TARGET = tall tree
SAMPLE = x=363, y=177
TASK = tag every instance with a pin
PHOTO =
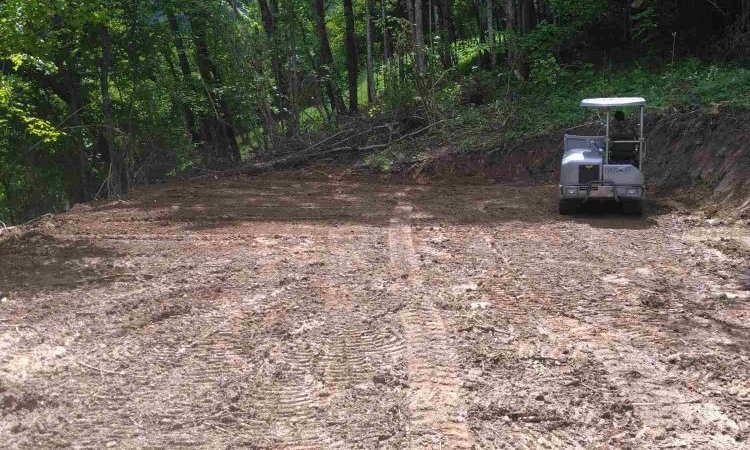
x=370, y=37
x=217, y=127
x=520, y=19
x=268, y=11
x=326, y=67
x=491, y=33
x=187, y=111
x=448, y=33
x=293, y=72
x=117, y=182
x=387, y=45
x=352, y=56
x=419, y=52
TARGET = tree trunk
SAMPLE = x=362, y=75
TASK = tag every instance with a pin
x=419, y=56
x=491, y=33
x=387, y=47
x=268, y=14
x=370, y=37
x=218, y=126
x=326, y=67
x=429, y=22
x=294, y=82
x=512, y=23
x=117, y=184
x=180, y=45
x=352, y=58
x=528, y=16
x=72, y=83
x=479, y=14
x=189, y=116
x=448, y=34
x=235, y=8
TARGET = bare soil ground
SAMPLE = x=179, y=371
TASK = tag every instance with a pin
x=296, y=311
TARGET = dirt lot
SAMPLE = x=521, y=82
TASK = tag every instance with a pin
x=326, y=312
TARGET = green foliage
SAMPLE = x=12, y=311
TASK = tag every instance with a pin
x=542, y=40
x=538, y=107
x=544, y=70
x=467, y=51
x=644, y=20
x=539, y=47
x=380, y=161
x=579, y=12
x=398, y=93
x=41, y=129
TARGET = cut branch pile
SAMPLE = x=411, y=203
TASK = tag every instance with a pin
x=350, y=140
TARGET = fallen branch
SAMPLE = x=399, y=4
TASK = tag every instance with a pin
x=349, y=138
x=5, y=228
x=487, y=328
x=36, y=219
x=300, y=157
x=111, y=372
x=327, y=139
x=687, y=402
x=376, y=146
x=99, y=369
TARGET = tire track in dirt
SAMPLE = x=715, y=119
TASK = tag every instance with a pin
x=286, y=412
x=206, y=389
x=436, y=387
x=621, y=341
x=358, y=339
x=507, y=366
x=181, y=379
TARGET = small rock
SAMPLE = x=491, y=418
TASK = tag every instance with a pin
x=467, y=287
x=672, y=359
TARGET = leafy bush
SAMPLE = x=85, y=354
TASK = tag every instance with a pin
x=540, y=105
x=579, y=12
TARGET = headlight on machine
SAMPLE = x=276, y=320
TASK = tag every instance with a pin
x=633, y=191
x=570, y=191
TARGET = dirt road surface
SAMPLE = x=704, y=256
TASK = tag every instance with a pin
x=307, y=312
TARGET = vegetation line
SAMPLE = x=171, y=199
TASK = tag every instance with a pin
x=99, y=96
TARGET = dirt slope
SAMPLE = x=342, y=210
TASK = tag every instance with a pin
x=701, y=157
x=319, y=312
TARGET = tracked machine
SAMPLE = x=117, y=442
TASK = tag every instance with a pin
x=605, y=168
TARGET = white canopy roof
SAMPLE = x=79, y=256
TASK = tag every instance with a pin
x=614, y=102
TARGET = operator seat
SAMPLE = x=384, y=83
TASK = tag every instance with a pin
x=623, y=152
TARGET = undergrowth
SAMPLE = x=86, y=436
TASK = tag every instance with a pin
x=498, y=108
x=531, y=108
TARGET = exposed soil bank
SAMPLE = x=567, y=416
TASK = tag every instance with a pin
x=700, y=157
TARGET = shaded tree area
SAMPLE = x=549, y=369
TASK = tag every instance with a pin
x=97, y=96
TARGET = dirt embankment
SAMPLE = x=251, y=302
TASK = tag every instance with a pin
x=703, y=154
x=700, y=157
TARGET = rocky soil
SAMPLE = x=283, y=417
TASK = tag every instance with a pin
x=318, y=311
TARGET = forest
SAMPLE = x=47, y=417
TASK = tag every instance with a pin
x=99, y=96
